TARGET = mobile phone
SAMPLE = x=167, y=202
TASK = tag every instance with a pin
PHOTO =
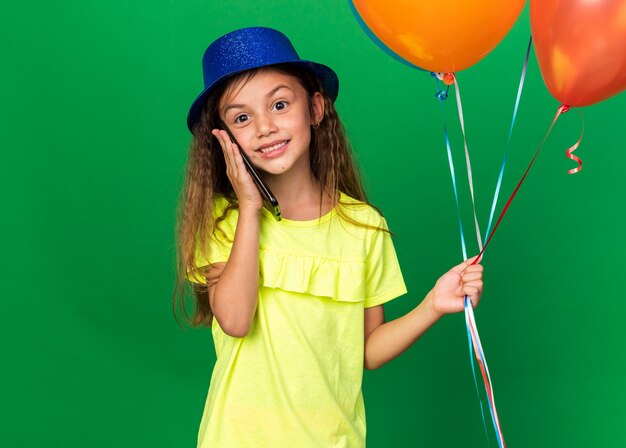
x=266, y=193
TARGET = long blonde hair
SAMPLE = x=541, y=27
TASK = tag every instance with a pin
x=332, y=164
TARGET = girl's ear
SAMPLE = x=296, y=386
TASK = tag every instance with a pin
x=317, y=107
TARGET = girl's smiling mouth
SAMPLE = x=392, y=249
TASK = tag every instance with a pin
x=273, y=149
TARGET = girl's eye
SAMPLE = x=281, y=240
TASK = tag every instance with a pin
x=241, y=118
x=280, y=105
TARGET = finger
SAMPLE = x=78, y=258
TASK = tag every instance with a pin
x=217, y=133
x=225, y=139
x=222, y=137
x=462, y=266
x=470, y=276
x=238, y=159
x=227, y=148
x=475, y=268
x=471, y=291
x=240, y=166
x=234, y=151
x=474, y=283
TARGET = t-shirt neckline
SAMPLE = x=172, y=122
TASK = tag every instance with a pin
x=305, y=223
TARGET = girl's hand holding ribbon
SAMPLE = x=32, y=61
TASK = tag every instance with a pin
x=247, y=192
x=452, y=287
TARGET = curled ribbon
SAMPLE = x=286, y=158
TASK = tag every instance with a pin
x=568, y=152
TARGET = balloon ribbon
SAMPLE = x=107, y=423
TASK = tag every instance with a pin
x=472, y=329
x=475, y=345
x=472, y=332
x=560, y=111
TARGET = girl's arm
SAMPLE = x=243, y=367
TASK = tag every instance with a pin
x=385, y=341
x=233, y=299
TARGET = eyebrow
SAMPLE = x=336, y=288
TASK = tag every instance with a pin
x=270, y=94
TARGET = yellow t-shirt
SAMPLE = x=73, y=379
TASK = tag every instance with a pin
x=295, y=379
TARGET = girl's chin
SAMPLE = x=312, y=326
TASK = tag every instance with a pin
x=271, y=171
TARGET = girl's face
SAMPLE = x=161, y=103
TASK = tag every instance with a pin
x=270, y=117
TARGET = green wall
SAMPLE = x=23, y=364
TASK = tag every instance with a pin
x=93, y=143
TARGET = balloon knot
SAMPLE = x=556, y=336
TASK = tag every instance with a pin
x=442, y=95
x=564, y=108
x=449, y=78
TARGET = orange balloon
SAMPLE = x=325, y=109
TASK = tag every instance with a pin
x=436, y=37
x=581, y=48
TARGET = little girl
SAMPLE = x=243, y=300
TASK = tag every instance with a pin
x=295, y=305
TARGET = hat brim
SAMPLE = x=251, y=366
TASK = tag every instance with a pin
x=327, y=77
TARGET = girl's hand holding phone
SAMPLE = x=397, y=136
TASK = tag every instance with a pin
x=247, y=192
x=450, y=290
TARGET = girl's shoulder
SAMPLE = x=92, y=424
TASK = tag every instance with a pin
x=221, y=203
x=224, y=215
x=360, y=211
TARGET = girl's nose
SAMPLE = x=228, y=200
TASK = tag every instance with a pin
x=265, y=125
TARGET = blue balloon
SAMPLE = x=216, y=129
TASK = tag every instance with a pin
x=377, y=41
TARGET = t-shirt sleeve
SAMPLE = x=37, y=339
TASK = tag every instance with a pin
x=219, y=243
x=383, y=277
